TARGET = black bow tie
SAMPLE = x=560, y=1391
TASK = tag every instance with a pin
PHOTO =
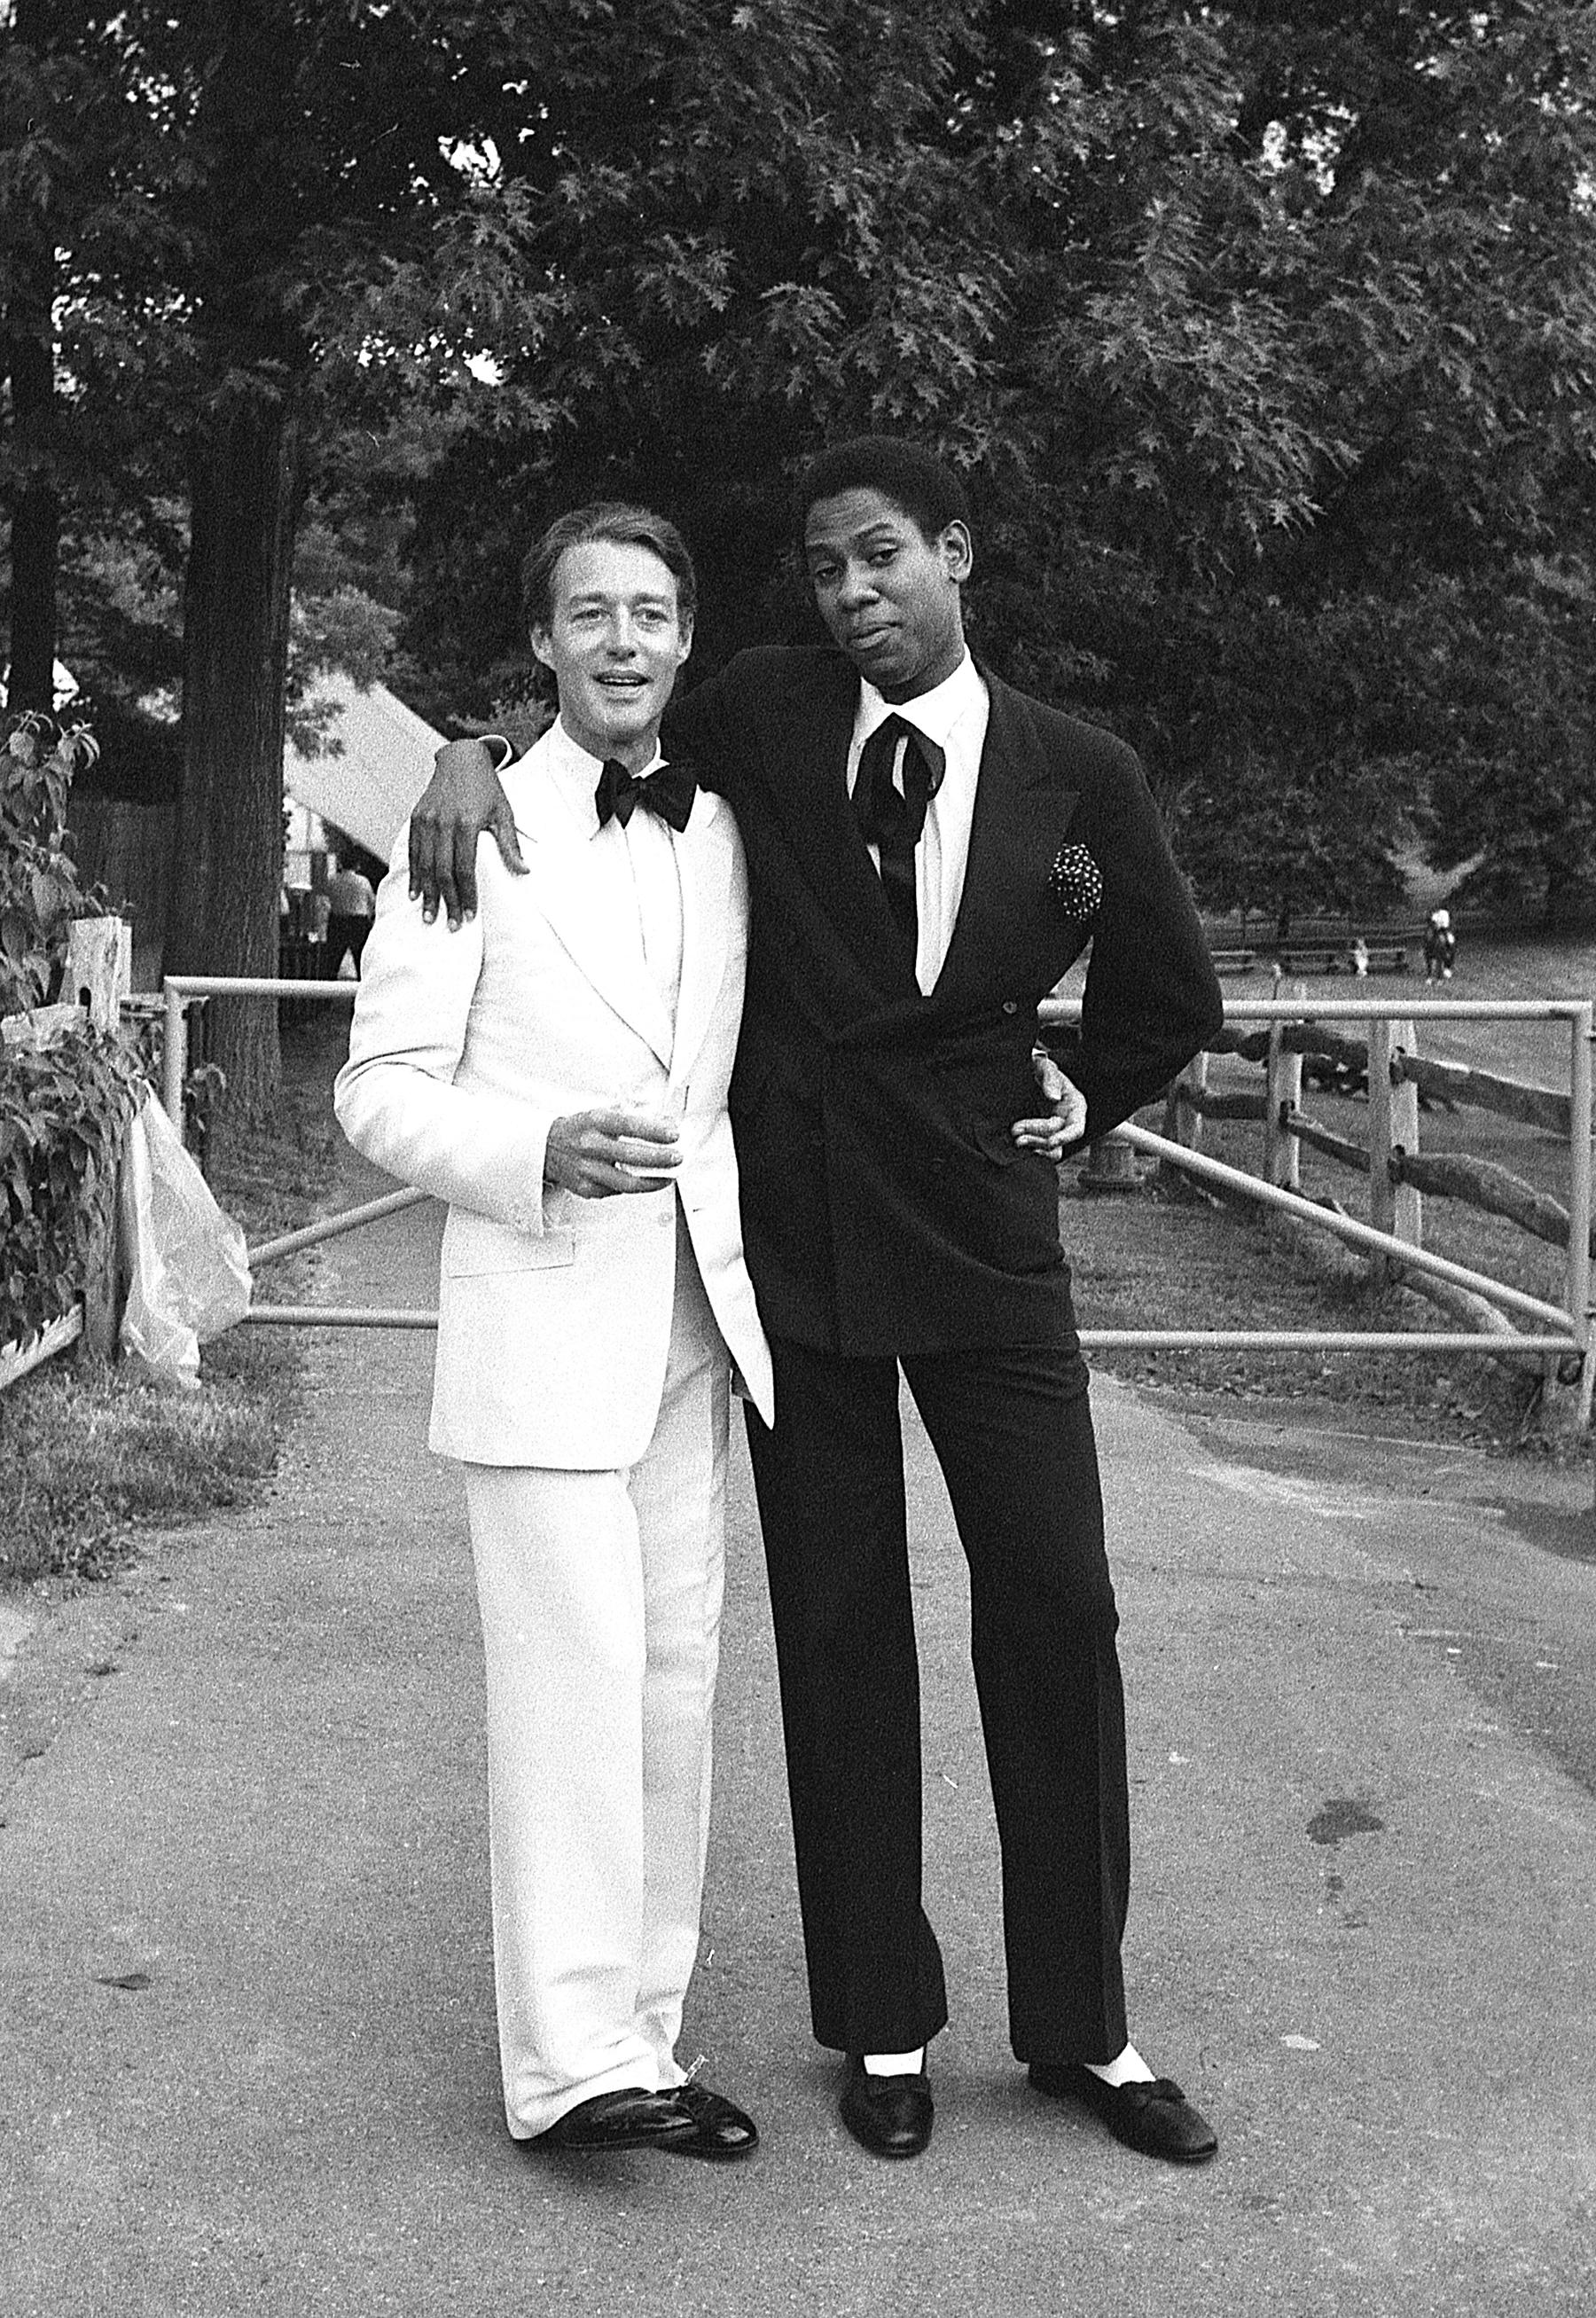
x=892, y=819
x=669, y=791
x=889, y=817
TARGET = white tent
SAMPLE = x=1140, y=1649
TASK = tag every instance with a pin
x=384, y=764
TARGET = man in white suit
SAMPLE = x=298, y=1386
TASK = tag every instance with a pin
x=559, y=1074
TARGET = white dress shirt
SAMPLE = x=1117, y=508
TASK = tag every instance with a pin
x=644, y=854
x=954, y=715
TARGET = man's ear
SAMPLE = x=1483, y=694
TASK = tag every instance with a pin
x=685, y=632
x=958, y=552
x=540, y=646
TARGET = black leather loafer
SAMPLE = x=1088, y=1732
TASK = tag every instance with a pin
x=626, y=2118
x=891, y=2116
x=719, y=2130
x=1155, y=2119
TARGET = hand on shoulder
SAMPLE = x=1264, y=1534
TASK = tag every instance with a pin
x=464, y=797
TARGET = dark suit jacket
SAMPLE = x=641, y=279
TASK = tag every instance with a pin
x=886, y=1208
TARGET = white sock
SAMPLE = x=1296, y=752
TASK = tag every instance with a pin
x=1128, y=2068
x=895, y=2064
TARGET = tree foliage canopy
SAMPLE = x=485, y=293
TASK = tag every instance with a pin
x=1265, y=332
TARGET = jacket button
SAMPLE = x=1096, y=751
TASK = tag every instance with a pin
x=1011, y=1006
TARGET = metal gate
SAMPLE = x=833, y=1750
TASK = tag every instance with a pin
x=1557, y=1330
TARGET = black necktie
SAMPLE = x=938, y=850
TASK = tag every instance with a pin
x=891, y=819
x=669, y=791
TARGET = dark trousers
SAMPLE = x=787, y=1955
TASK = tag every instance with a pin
x=1012, y=1431
x=345, y=935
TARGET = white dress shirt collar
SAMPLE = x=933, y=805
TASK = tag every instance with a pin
x=937, y=713
x=575, y=774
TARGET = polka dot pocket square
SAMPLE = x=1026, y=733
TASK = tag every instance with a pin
x=1075, y=881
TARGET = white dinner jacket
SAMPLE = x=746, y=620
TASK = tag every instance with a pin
x=554, y=1312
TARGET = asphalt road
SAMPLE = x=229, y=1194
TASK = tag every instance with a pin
x=245, y=2011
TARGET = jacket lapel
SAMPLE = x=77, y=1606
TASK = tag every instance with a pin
x=590, y=910
x=1023, y=811
x=809, y=793
x=703, y=864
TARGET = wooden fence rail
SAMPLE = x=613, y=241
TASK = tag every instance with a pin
x=18, y=1360
x=1237, y=1104
x=1496, y=1190
x=1477, y=1183
x=1320, y=1138
x=1454, y=1084
x=1398, y=1079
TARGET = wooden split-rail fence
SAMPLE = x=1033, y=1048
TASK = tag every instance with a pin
x=1399, y=1081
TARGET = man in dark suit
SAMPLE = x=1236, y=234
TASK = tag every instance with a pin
x=929, y=851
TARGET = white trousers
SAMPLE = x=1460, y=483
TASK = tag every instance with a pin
x=600, y=1596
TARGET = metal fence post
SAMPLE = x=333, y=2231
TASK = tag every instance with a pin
x=173, y=1057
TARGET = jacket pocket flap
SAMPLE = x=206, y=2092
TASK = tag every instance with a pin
x=476, y=1248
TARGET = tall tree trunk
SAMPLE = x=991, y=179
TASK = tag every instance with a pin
x=228, y=877
x=35, y=520
x=36, y=505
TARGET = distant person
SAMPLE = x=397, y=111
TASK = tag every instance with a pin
x=557, y=1072
x=930, y=851
x=352, y=904
x=1360, y=959
x=1440, y=947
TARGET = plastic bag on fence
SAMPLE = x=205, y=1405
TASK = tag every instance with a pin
x=190, y=1272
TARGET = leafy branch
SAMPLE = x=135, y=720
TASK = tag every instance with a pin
x=63, y=1108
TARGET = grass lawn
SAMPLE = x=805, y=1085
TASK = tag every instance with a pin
x=89, y=1452
x=1158, y=1259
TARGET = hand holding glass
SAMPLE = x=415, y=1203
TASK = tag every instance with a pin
x=655, y=1115
x=631, y=1143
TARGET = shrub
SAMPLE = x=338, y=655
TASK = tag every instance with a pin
x=62, y=1113
x=39, y=892
x=63, y=1109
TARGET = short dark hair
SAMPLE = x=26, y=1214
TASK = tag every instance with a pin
x=913, y=478
x=611, y=519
